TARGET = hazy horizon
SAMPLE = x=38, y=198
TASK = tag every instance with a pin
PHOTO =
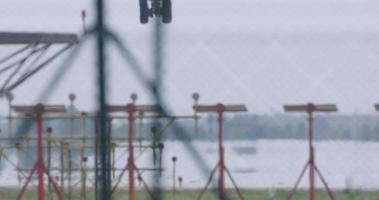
x=262, y=53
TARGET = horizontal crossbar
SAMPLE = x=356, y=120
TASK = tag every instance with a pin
x=29, y=38
x=311, y=108
x=220, y=108
x=39, y=109
x=134, y=108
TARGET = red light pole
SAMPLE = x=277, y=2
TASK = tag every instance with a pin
x=39, y=167
x=311, y=163
x=131, y=109
x=220, y=109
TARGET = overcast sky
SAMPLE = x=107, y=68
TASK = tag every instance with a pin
x=264, y=53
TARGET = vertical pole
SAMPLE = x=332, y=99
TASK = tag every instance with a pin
x=69, y=157
x=157, y=57
x=18, y=146
x=103, y=162
x=40, y=167
x=113, y=147
x=131, y=154
x=160, y=147
x=140, y=126
x=312, y=192
x=97, y=170
x=195, y=97
x=174, y=159
x=84, y=196
x=196, y=120
x=174, y=178
x=49, y=159
x=62, y=166
x=10, y=118
x=83, y=178
x=66, y=166
x=180, y=179
x=139, y=180
x=221, y=181
x=84, y=15
x=154, y=143
x=158, y=64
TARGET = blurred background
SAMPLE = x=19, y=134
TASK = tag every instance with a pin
x=263, y=54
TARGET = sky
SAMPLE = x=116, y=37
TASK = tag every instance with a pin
x=263, y=53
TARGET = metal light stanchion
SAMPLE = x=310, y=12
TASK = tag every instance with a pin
x=49, y=131
x=311, y=163
x=39, y=167
x=220, y=109
x=131, y=109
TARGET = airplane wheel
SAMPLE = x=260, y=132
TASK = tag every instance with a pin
x=166, y=11
x=144, y=11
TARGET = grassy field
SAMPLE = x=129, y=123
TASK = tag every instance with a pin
x=11, y=193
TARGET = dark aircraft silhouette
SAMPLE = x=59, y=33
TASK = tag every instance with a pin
x=155, y=8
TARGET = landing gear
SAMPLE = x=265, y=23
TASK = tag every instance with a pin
x=166, y=11
x=158, y=8
x=144, y=11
